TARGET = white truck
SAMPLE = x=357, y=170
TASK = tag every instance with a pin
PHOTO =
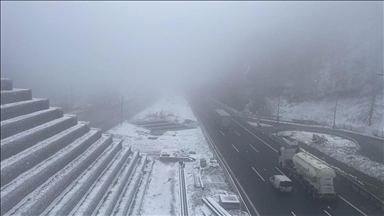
x=315, y=176
x=222, y=118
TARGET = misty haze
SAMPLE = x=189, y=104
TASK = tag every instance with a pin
x=192, y=108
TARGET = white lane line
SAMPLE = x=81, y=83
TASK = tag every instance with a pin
x=235, y=148
x=294, y=176
x=222, y=133
x=237, y=133
x=258, y=174
x=207, y=116
x=228, y=169
x=293, y=214
x=255, y=136
x=327, y=213
x=352, y=206
x=253, y=148
x=279, y=171
x=213, y=122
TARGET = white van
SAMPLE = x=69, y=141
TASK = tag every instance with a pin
x=281, y=183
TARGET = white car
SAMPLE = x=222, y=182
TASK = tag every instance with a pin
x=281, y=183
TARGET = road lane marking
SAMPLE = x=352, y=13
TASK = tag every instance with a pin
x=222, y=133
x=228, y=169
x=253, y=148
x=298, y=179
x=352, y=206
x=207, y=116
x=279, y=171
x=293, y=214
x=213, y=122
x=327, y=213
x=235, y=148
x=237, y=133
x=255, y=136
x=258, y=174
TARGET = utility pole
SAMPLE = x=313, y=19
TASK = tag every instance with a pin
x=334, y=115
x=71, y=94
x=278, y=112
x=121, y=110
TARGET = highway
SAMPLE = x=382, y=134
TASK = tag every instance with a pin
x=252, y=157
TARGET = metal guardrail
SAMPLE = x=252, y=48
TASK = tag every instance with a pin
x=350, y=182
x=340, y=176
x=223, y=165
x=183, y=191
x=360, y=190
x=215, y=207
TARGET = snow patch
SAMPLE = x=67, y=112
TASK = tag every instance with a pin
x=342, y=150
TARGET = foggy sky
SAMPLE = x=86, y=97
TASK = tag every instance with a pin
x=125, y=46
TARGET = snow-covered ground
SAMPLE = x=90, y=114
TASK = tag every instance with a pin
x=342, y=150
x=351, y=113
x=162, y=194
x=173, y=108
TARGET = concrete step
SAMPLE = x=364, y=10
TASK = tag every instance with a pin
x=95, y=194
x=123, y=205
x=113, y=194
x=21, y=108
x=15, y=95
x=21, y=123
x=25, y=160
x=135, y=208
x=21, y=141
x=6, y=84
x=64, y=204
x=35, y=201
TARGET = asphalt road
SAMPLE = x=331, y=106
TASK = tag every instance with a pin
x=252, y=157
x=371, y=147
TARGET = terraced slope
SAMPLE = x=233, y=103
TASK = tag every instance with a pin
x=52, y=164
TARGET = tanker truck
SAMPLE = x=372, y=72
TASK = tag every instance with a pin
x=315, y=176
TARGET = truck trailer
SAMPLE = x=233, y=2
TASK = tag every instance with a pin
x=314, y=175
x=222, y=118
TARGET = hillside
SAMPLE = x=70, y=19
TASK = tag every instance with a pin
x=351, y=113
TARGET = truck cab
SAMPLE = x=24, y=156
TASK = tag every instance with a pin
x=281, y=183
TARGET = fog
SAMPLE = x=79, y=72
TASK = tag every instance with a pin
x=163, y=46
